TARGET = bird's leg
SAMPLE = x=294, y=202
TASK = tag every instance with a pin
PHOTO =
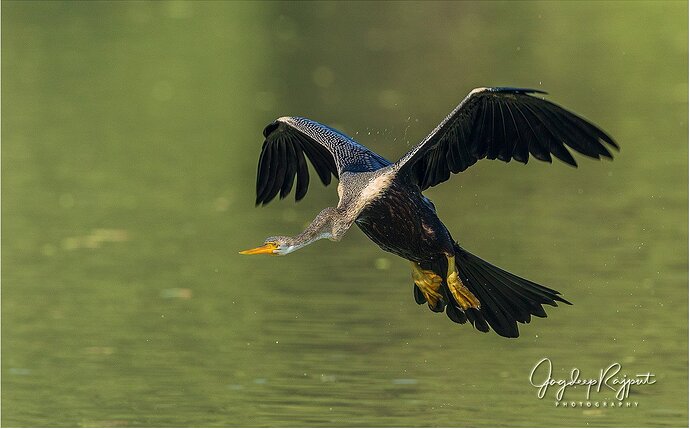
x=429, y=283
x=462, y=295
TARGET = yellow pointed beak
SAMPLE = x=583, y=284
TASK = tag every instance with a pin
x=266, y=249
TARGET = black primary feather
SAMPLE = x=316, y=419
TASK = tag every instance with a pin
x=506, y=124
x=289, y=141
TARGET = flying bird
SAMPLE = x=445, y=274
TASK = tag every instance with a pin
x=384, y=199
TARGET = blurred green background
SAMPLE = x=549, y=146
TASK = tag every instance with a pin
x=131, y=132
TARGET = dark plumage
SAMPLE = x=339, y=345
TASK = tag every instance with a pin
x=384, y=199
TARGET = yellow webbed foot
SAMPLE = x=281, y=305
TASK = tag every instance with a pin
x=429, y=283
x=462, y=295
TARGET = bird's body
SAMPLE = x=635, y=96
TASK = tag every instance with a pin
x=385, y=199
x=404, y=222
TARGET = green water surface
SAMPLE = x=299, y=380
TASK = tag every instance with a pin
x=130, y=135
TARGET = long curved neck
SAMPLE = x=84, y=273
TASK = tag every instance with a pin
x=328, y=224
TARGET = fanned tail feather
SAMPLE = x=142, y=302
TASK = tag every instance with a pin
x=505, y=298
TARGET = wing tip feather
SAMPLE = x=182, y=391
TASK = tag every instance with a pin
x=270, y=128
x=513, y=90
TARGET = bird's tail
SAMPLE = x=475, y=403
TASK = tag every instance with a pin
x=505, y=298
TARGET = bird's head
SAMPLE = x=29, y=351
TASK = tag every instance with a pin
x=275, y=246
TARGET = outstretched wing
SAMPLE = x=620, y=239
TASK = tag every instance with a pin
x=289, y=139
x=503, y=123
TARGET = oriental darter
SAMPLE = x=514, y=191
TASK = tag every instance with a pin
x=385, y=198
